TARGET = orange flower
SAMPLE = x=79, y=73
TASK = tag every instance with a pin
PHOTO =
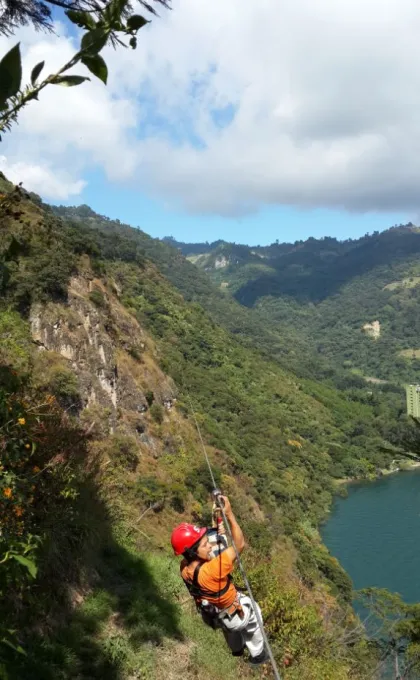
x=21, y=421
x=36, y=469
x=18, y=511
x=7, y=492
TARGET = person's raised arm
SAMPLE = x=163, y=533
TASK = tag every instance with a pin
x=236, y=530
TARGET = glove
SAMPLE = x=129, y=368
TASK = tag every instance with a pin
x=217, y=520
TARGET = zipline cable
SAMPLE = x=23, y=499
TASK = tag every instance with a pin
x=238, y=557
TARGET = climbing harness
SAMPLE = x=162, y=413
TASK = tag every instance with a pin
x=201, y=593
x=217, y=496
x=210, y=614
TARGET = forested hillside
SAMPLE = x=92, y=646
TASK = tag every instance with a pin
x=107, y=337
x=330, y=292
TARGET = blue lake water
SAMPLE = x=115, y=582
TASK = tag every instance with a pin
x=375, y=534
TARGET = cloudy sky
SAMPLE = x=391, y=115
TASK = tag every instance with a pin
x=236, y=119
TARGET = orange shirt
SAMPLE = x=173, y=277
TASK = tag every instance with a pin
x=213, y=577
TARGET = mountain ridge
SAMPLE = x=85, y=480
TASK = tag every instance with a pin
x=330, y=291
x=108, y=311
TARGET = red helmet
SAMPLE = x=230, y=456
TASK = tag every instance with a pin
x=185, y=536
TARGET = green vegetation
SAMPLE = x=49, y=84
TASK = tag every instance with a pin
x=104, y=23
x=156, y=411
x=397, y=638
x=106, y=600
x=97, y=297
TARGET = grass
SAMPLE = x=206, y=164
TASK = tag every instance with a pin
x=138, y=622
x=410, y=353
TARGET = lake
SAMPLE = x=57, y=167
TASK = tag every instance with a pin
x=375, y=534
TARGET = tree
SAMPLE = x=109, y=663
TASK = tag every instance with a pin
x=15, y=13
x=397, y=639
x=105, y=21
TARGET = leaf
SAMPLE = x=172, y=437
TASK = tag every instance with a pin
x=69, y=81
x=10, y=73
x=94, y=41
x=82, y=19
x=135, y=22
x=31, y=566
x=114, y=10
x=17, y=648
x=96, y=65
x=36, y=71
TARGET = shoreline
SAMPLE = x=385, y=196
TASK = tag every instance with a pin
x=383, y=472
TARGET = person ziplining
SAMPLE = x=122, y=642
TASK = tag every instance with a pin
x=206, y=570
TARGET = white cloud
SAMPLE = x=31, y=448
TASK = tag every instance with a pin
x=42, y=179
x=326, y=97
x=69, y=130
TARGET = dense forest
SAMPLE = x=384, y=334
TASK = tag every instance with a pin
x=329, y=292
x=107, y=338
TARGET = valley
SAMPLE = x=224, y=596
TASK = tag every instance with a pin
x=110, y=335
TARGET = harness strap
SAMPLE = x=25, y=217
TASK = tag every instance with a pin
x=198, y=592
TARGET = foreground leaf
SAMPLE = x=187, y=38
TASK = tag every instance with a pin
x=16, y=648
x=94, y=41
x=82, y=19
x=69, y=81
x=96, y=65
x=24, y=561
x=36, y=71
x=115, y=9
x=135, y=22
x=10, y=73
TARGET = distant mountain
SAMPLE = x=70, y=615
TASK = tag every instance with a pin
x=116, y=333
x=330, y=292
x=192, y=248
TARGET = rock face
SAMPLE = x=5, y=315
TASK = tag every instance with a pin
x=105, y=347
x=221, y=262
x=373, y=329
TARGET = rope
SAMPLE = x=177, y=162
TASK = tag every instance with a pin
x=202, y=444
x=238, y=557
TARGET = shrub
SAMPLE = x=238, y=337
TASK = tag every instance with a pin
x=96, y=418
x=42, y=458
x=15, y=341
x=52, y=373
x=64, y=383
x=259, y=536
x=198, y=481
x=156, y=411
x=150, y=490
x=150, y=397
x=98, y=298
x=334, y=572
x=123, y=450
x=178, y=493
x=135, y=352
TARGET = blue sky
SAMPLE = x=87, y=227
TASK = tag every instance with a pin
x=275, y=222
x=265, y=225
x=200, y=137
